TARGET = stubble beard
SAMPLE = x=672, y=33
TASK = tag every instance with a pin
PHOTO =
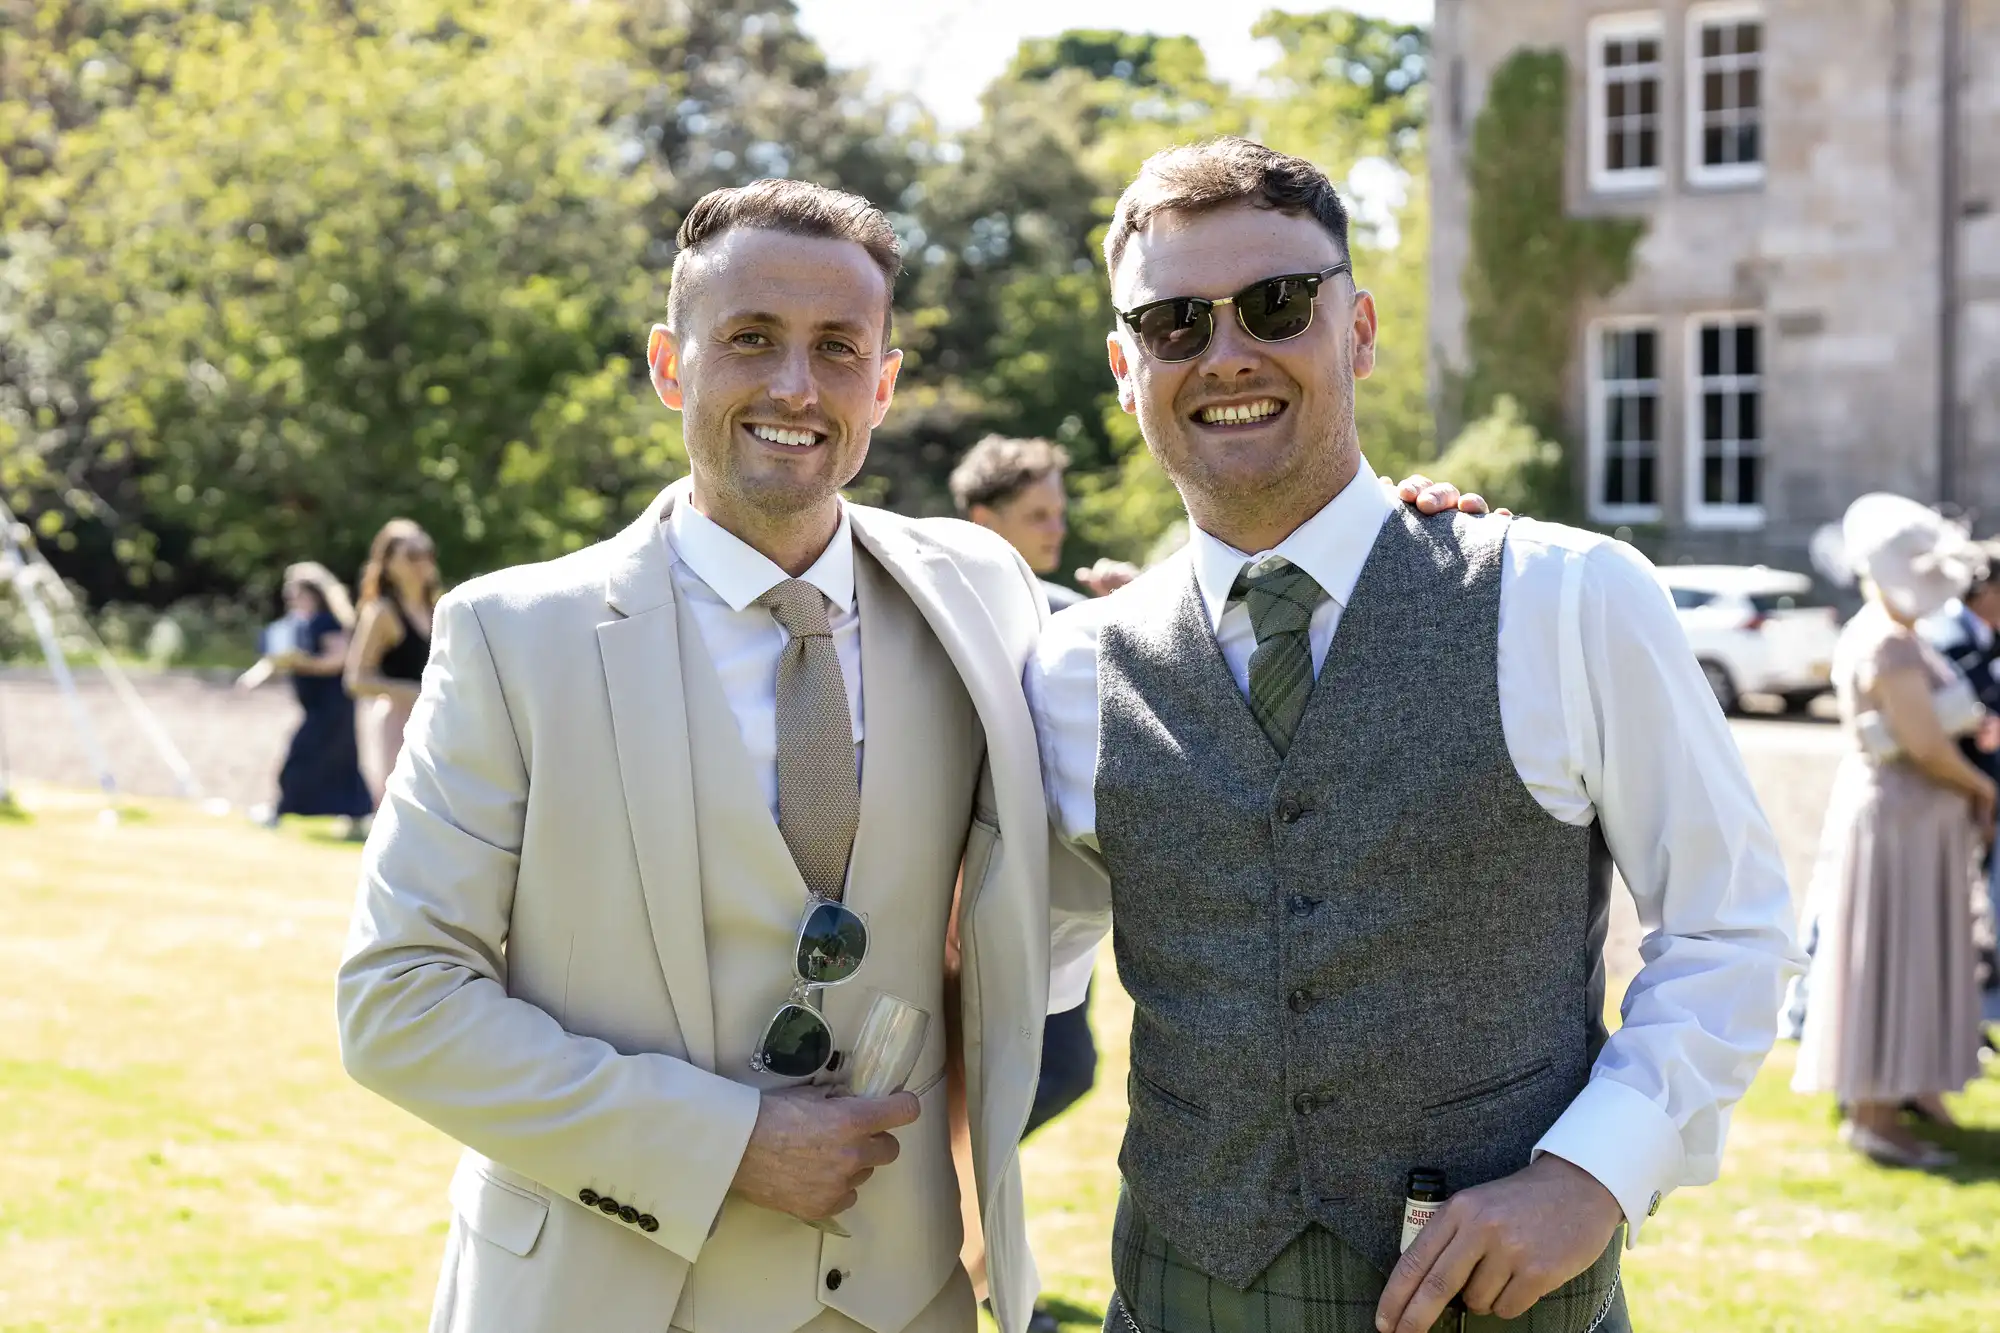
x=1319, y=462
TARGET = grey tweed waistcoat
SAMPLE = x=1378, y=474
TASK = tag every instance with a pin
x=1376, y=953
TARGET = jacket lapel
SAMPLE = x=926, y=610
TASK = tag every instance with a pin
x=642, y=674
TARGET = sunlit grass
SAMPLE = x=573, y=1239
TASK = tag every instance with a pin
x=180, y=1150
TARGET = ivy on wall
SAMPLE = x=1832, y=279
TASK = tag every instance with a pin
x=1531, y=265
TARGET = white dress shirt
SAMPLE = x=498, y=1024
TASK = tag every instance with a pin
x=1607, y=717
x=720, y=577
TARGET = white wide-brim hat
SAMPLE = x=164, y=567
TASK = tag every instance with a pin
x=1917, y=557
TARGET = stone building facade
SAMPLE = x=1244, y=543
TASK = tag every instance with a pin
x=1783, y=342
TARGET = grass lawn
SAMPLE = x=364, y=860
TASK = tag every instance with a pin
x=179, y=1148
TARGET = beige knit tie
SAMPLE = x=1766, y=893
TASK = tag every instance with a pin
x=819, y=796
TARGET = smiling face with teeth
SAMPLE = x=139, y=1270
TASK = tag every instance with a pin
x=780, y=371
x=1257, y=436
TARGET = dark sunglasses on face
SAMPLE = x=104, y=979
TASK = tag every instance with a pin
x=832, y=943
x=1180, y=328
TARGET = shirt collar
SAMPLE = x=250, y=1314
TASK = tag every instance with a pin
x=739, y=573
x=1331, y=546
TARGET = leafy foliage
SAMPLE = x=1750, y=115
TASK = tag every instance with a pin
x=1532, y=265
x=1502, y=457
x=271, y=272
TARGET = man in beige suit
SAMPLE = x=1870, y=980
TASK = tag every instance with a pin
x=641, y=783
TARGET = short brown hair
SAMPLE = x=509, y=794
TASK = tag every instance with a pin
x=997, y=469
x=797, y=208
x=1194, y=178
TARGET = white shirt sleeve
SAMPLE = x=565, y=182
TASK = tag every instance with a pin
x=1061, y=684
x=1662, y=770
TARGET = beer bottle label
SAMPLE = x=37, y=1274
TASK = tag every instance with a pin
x=1417, y=1214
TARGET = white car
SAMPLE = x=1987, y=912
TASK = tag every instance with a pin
x=1755, y=631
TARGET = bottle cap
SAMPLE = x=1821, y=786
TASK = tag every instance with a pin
x=1427, y=1183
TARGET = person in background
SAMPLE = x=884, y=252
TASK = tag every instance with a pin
x=1967, y=632
x=1895, y=1013
x=1015, y=488
x=321, y=774
x=385, y=663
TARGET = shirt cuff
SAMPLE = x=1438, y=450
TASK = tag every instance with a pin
x=1625, y=1141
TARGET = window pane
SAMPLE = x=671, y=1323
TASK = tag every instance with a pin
x=1648, y=425
x=1748, y=477
x=1711, y=41
x=1648, y=491
x=1644, y=365
x=1614, y=152
x=1711, y=350
x=1711, y=479
x=1713, y=148
x=1614, y=54
x=1614, y=479
x=1614, y=99
x=1747, y=147
x=1746, y=349
x=1648, y=50
x=1711, y=418
x=1746, y=88
x=1713, y=95
x=1649, y=148
x=1649, y=97
x=1747, y=425
x=1749, y=36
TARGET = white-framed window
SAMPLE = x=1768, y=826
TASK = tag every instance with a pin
x=1624, y=363
x=1627, y=89
x=1725, y=93
x=1725, y=420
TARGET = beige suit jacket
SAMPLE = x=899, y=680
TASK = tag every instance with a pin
x=527, y=969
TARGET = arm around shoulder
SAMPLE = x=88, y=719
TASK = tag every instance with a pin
x=425, y=1017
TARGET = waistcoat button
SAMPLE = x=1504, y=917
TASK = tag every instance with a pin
x=833, y=1280
x=1289, y=811
x=1302, y=905
x=1304, y=1103
x=1300, y=1001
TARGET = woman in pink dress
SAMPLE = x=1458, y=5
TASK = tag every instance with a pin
x=392, y=641
x=1895, y=1013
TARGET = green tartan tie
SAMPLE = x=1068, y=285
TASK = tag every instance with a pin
x=1281, y=598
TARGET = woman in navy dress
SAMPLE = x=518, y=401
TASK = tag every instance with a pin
x=321, y=773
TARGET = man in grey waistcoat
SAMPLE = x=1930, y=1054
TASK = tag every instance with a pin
x=1358, y=778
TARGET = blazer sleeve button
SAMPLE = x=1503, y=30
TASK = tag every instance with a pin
x=629, y=1215
x=589, y=1198
x=607, y=1205
x=648, y=1223
x=833, y=1280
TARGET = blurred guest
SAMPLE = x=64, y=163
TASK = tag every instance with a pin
x=320, y=775
x=385, y=664
x=1015, y=488
x=1967, y=632
x=1895, y=1012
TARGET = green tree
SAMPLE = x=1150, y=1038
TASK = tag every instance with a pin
x=1531, y=265
x=1502, y=457
x=333, y=268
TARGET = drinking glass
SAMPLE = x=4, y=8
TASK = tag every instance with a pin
x=892, y=1037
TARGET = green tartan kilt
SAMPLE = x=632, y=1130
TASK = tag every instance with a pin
x=1317, y=1285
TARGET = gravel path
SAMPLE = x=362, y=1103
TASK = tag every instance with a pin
x=235, y=741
